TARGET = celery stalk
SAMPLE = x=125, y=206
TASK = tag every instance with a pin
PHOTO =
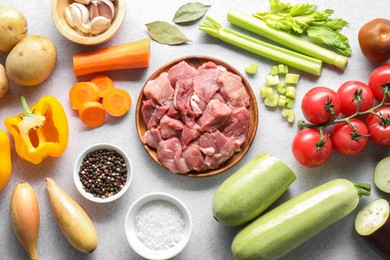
x=275, y=53
x=259, y=27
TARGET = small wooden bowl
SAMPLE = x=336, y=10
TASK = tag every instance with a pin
x=57, y=9
x=196, y=61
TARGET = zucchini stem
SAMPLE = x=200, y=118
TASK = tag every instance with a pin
x=363, y=189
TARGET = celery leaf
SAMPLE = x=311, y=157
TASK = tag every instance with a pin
x=325, y=35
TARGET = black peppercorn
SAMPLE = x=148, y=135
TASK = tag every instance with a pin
x=103, y=173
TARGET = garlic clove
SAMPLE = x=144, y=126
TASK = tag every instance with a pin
x=76, y=17
x=68, y=17
x=93, y=10
x=84, y=13
x=111, y=5
x=99, y=24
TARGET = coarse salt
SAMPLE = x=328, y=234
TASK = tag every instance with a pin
x=159, y=225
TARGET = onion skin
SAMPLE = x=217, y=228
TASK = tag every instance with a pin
x=25, y=218
x=73, y=221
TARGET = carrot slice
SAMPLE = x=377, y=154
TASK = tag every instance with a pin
x=92, y=114
x=103, y=82
x=82, y=92
x=117, y=102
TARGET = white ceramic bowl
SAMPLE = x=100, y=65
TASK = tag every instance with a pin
x=130, y=228
x=79, y=161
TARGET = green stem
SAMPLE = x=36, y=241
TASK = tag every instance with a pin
x=275, y=53
x=296, y=43
x=363, y=189
x=26, y=108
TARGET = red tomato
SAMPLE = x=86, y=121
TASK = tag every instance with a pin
x=350, y=92
x=379, y=128
x=349, y=141
x=308, y=150
x=317, y=104
x=378, y=77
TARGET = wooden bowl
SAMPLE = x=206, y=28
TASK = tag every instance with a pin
x=196, y=61
x=57, y=9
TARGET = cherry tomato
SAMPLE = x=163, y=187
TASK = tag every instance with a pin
x=379, y=127
x=349, y=140
x=317, y=104
x=308, y=150
x=374, y=40
x=378, y=77
x=350, y=92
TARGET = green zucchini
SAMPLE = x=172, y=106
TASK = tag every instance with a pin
x=285, y=227
x=252, y=189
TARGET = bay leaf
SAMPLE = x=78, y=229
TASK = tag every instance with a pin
x=190, y=12
x=166, y=33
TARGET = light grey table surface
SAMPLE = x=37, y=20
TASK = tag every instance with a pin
x=210, y=240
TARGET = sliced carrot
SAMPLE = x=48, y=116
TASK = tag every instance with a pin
x=103, y=82
x=82, y=92
x=92, y=114
x=125, y=56
x=117, y=102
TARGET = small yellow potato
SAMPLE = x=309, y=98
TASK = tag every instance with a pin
x=13, y=27
x=4, y=82
x=31, y=61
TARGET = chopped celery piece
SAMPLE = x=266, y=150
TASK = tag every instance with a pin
x=282, y=100
x=291, y=92
x=252, y=69
x=274, y=71
x=281, y=88
x=272, y=80
x=248, y=22
x=289, y=102
x=282, y=69
x=266, y=92
x=292, y=78
x=267, y=50
x=272, y=101
x=289, y=114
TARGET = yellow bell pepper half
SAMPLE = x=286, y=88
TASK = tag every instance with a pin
x=41, y=131
x=5, y=159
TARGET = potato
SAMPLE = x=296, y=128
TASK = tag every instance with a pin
x=4, y=82
x=31, y=61
x=13, y=27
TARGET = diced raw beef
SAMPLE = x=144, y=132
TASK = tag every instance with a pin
x=182, y=100
x=215, y=116
x=189, y=134
x=169, y=153
x=232, y=89
x=194, y=157
x=196, y=118
x=181, y=71
x=217, y=148
x=170, y=127
x=158, y=113
x=148, y=109
x=160, y=89
x=206, y=81
x=152, y=137
x=237, y=125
